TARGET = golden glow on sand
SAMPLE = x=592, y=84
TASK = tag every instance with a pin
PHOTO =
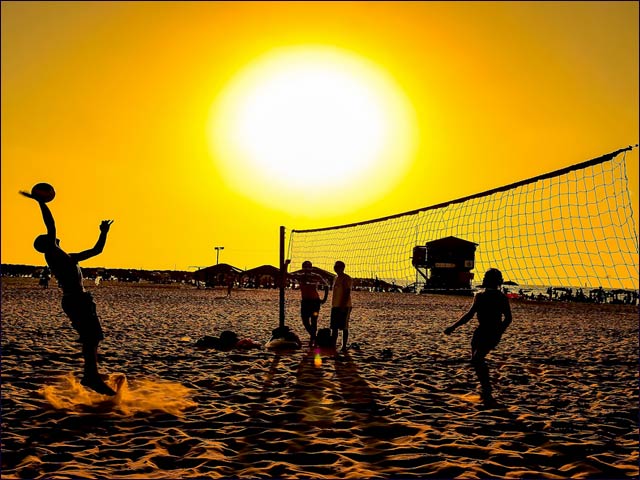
x=312, y=121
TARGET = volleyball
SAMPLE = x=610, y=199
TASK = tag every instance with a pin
x=43, y=192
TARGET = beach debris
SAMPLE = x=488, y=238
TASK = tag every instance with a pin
x=228, y=340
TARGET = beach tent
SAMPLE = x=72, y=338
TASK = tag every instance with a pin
x=216, y=274
x=264, y=275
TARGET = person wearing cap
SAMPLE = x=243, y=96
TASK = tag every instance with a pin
x=494, y=316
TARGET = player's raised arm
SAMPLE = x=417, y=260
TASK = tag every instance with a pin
x=47, y=216
x=49, y=222
x=105, y=225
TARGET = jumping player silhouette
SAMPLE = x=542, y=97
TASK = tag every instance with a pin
x=77, y=303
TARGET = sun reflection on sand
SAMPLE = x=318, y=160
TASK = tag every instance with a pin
x=188, y=413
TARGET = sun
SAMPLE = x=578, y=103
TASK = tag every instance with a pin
x=298, y=126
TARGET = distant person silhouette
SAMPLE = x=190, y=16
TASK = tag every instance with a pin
x=341, y=305
x=229, y=281
x=44, y=278
x=77, y=303
x=490, y=305
x=310, y=301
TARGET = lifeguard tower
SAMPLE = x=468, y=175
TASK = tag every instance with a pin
x=446, y=265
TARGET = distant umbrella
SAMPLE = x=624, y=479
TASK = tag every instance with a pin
x=509, y=282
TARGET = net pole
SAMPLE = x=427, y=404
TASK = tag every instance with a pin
x=283, y=276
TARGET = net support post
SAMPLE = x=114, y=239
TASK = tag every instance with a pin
x=283, y=277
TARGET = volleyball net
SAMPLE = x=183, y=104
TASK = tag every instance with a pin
x=573, y=227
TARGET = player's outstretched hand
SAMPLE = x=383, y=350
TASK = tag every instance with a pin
x=105, y=225
x=24, y=193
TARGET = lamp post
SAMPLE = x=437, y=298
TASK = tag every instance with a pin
x=217, y=249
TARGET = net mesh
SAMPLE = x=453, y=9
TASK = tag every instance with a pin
x=573, y=227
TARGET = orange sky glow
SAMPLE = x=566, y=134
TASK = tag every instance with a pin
x=134, y=111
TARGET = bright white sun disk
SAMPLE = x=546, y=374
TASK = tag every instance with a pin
x=309, y=122
x=301, y=126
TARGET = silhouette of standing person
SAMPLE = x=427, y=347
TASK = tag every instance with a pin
x=341, y=304
x=490, y=305
x=310, y=301
x=229, y=281
x=44, y=278
x=77, y=303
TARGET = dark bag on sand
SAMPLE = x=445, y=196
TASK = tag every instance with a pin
x=208, y=342
x=323, y=338
x=228, y=339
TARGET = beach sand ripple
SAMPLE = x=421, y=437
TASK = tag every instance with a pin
x=402, y=404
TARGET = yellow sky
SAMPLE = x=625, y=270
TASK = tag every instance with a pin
x=111, y=101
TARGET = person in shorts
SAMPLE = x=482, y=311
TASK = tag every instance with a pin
x=77, y=303
x=341, y=305
x=494, y=316
x=310, y=301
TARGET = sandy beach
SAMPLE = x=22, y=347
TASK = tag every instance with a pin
x=566, y=374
